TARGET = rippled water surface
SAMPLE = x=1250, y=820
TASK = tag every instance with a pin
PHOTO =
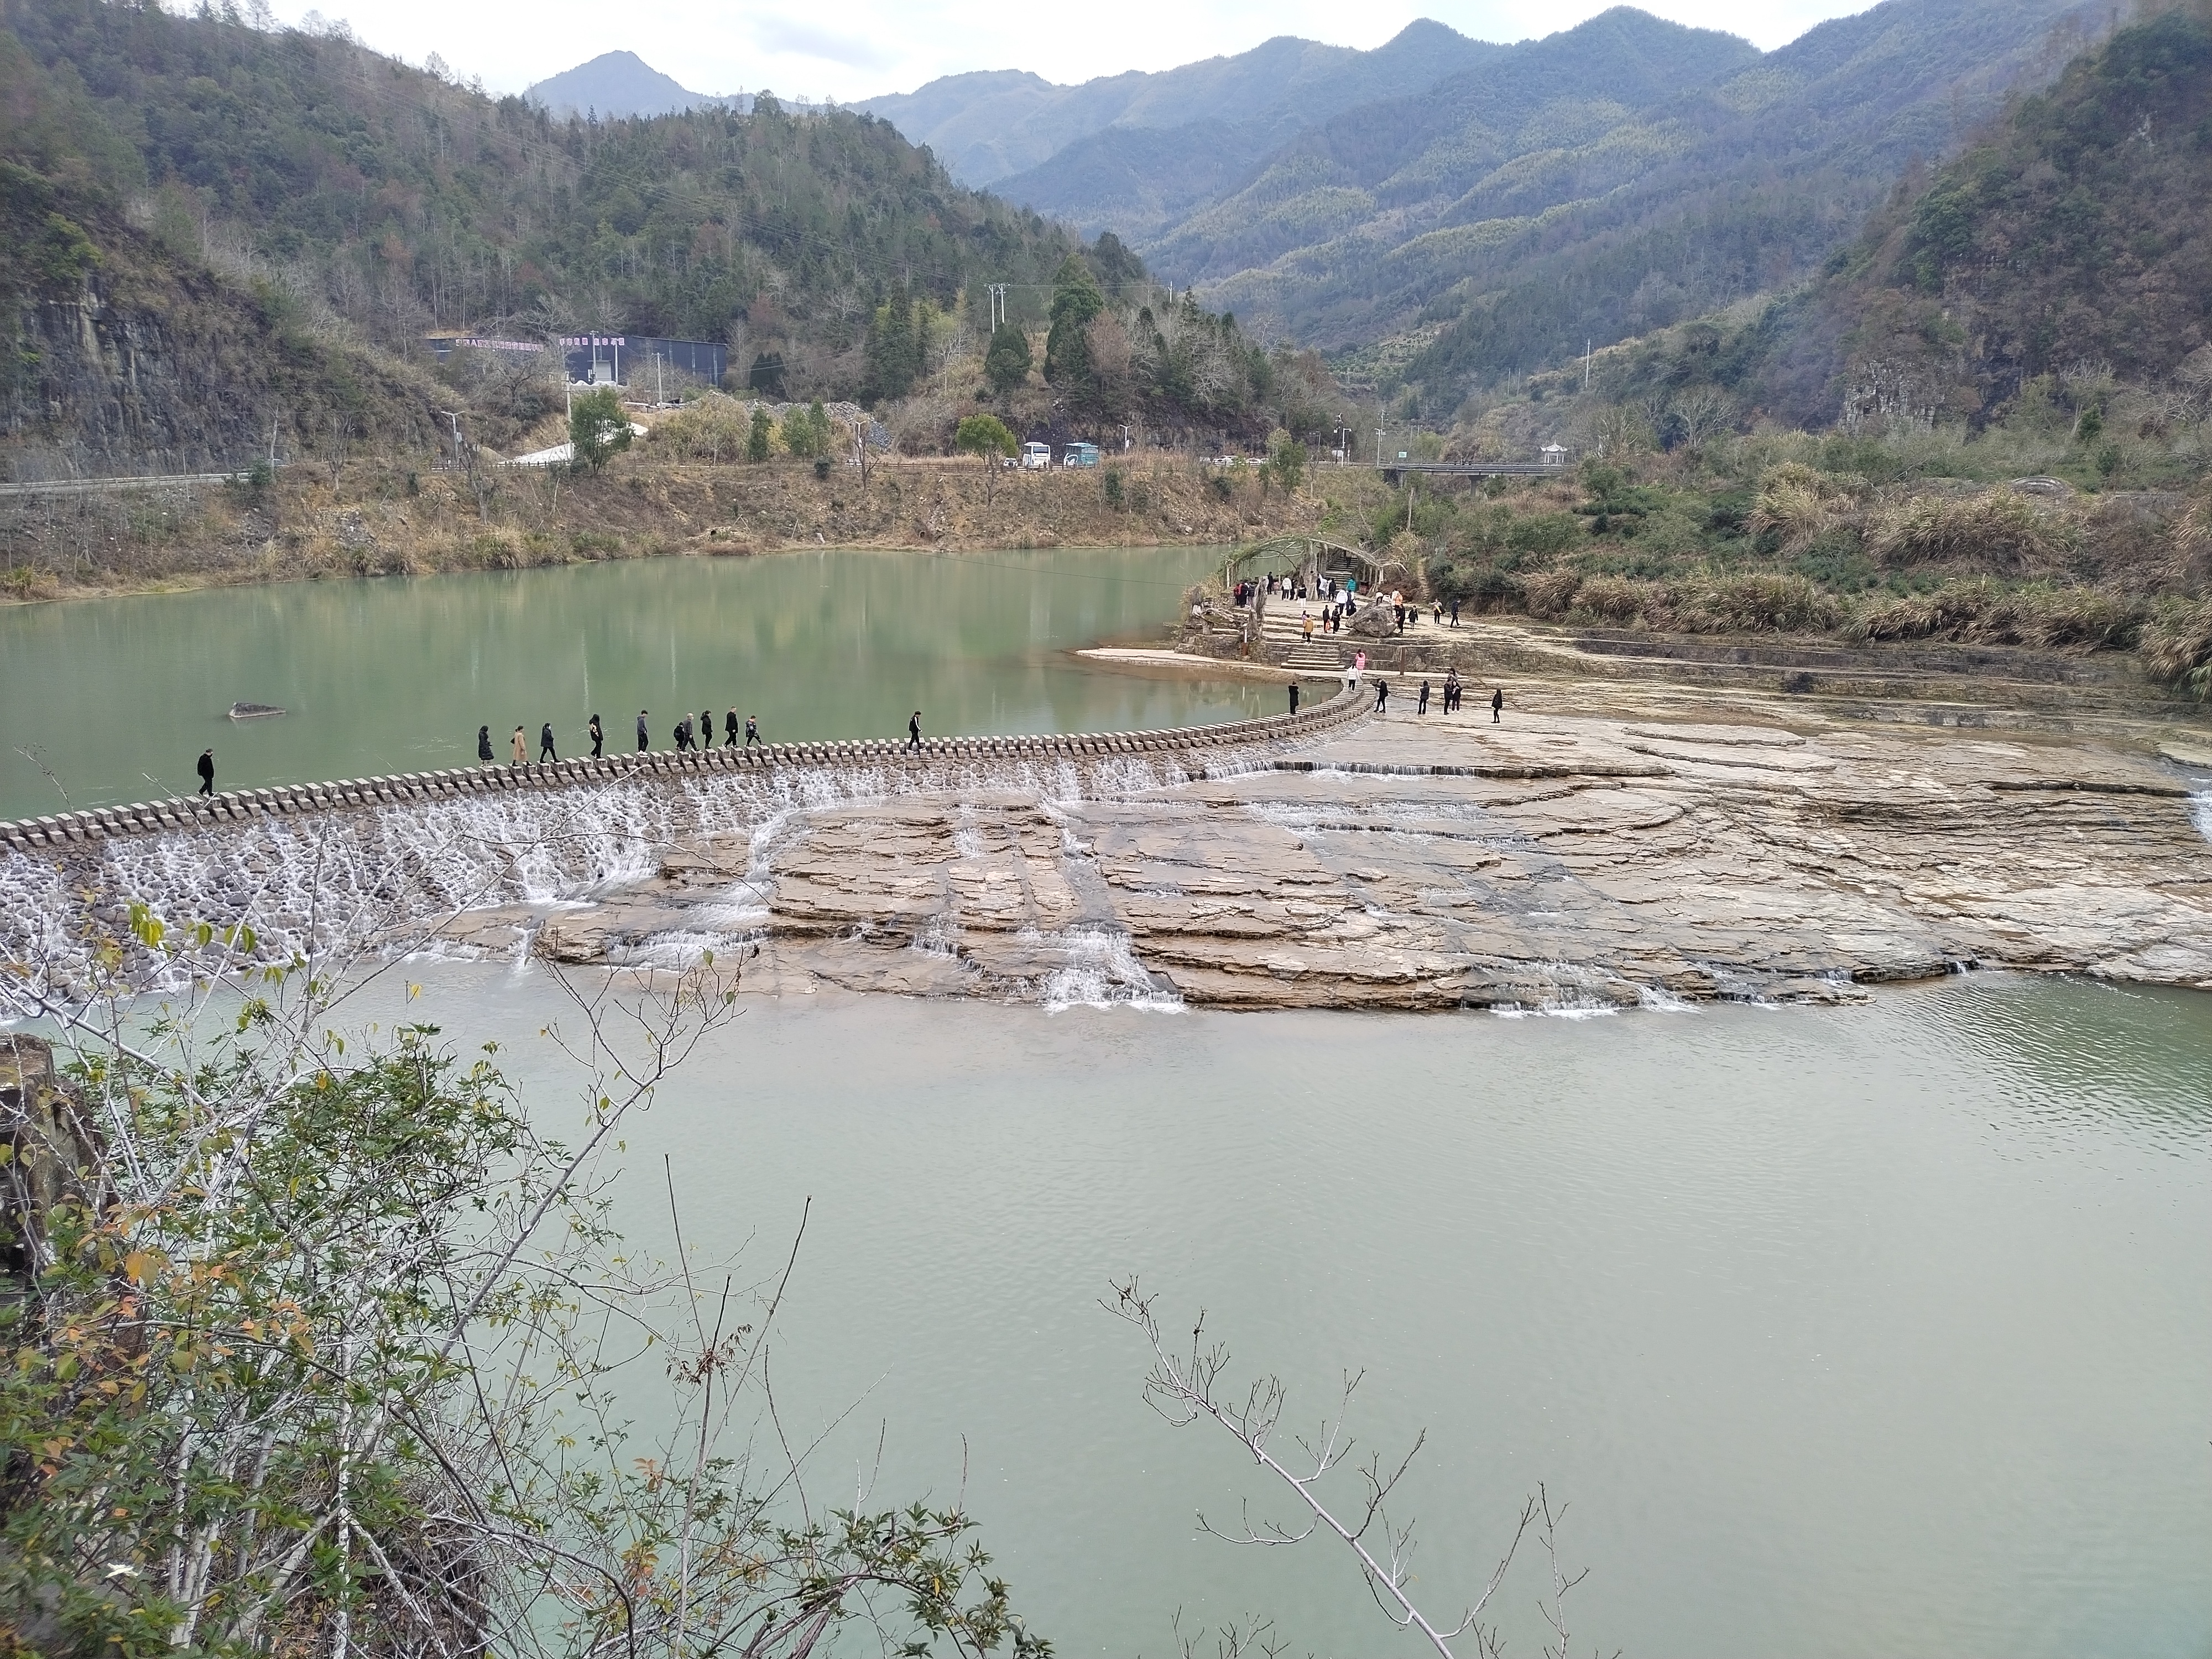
x=118, y=696
x=1876, y=1330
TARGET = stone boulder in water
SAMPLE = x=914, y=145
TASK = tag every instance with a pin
x=253, y=711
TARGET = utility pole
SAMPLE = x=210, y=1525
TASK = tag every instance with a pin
x=1378, y=449
x=1586, y=362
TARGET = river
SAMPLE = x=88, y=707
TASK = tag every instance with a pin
x=1882, y=1329
x=117, y=697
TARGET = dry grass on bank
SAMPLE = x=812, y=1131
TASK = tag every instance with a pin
x=379, y=519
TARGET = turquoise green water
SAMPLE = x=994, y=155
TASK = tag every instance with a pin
x=1877, y=1330
x=118, y=696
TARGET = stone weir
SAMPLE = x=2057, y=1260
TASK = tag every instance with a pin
x=240, y=806
x=1564, y=858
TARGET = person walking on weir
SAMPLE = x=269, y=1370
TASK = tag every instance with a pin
x=1382, y=694
x=1421, y=704
x=752, y=733
x=683, y=734
x=644, y=743
x=1451, y=691
x=483, y=746
x=545, y=750
x=1497, y=705
x=706, y=728
x=522, y=748
x=206, y=770
x=598, y=737
x=914, y=730
x=730, y=728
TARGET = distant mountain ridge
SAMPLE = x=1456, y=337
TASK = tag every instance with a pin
x=1470, y=211
x=987, y=125
x=616, y=84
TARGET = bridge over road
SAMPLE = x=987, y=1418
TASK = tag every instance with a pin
x=1392, y=471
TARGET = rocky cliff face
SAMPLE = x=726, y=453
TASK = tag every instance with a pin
x=123, y=358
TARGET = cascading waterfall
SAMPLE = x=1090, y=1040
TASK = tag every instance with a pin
x=326, y=886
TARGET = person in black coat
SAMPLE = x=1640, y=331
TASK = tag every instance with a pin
x=483, y=744
x=597, y=736
x=644, y=743
x=207, y=771
x=545, y=750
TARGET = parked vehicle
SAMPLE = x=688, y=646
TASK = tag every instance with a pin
x=1080, y=455
x=1036, y=457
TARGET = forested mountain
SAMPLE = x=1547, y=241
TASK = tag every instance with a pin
x=613, y=84
x=2078, y=232
x=381, y=200
x=988, y=125
x=1768, y=173
x=1588, y=187
x=2067, y=254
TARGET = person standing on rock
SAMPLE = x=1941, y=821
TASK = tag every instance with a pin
x=1497, y=705
x=706, y=728
x=206, y=770
x=1421, y=704
x=914, y=730
x=1382, y=694
x=483, y=744
x=522, y=748
x=1294, y=696
x=599, y=737
x=730, y=728
x=1306, y=622
x=643, y=741
x=1451, y=691
x=545, y=750
x=752, y=733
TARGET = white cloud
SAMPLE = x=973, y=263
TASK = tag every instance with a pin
x=894, y=45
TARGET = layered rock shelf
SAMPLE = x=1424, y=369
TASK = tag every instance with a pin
x=1551, y=861
x=1667, y=846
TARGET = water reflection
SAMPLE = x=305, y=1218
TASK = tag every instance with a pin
x=119, y=695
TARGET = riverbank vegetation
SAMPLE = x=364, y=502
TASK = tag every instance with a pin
x=318, y=1342
x=372, y=518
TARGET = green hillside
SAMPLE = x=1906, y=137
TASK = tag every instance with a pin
x=392, y=201
x=2079, y=232
x=1777, y=167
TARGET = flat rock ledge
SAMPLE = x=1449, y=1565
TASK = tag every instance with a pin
x=1554, y=862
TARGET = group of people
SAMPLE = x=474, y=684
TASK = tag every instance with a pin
x=689, y=738
x=1454, y=700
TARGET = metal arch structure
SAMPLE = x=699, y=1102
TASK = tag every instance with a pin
x=1299, y=547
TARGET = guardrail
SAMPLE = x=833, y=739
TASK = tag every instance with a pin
x=66, y=829
x=95, y=486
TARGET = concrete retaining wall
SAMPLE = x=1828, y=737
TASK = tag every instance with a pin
x=352, y=794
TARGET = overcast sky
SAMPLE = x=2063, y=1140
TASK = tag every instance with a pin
x=864, y=47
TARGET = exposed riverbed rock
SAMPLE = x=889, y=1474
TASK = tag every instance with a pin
x=1431, y=862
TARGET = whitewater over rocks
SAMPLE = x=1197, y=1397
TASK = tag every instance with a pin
x=1555, y=863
